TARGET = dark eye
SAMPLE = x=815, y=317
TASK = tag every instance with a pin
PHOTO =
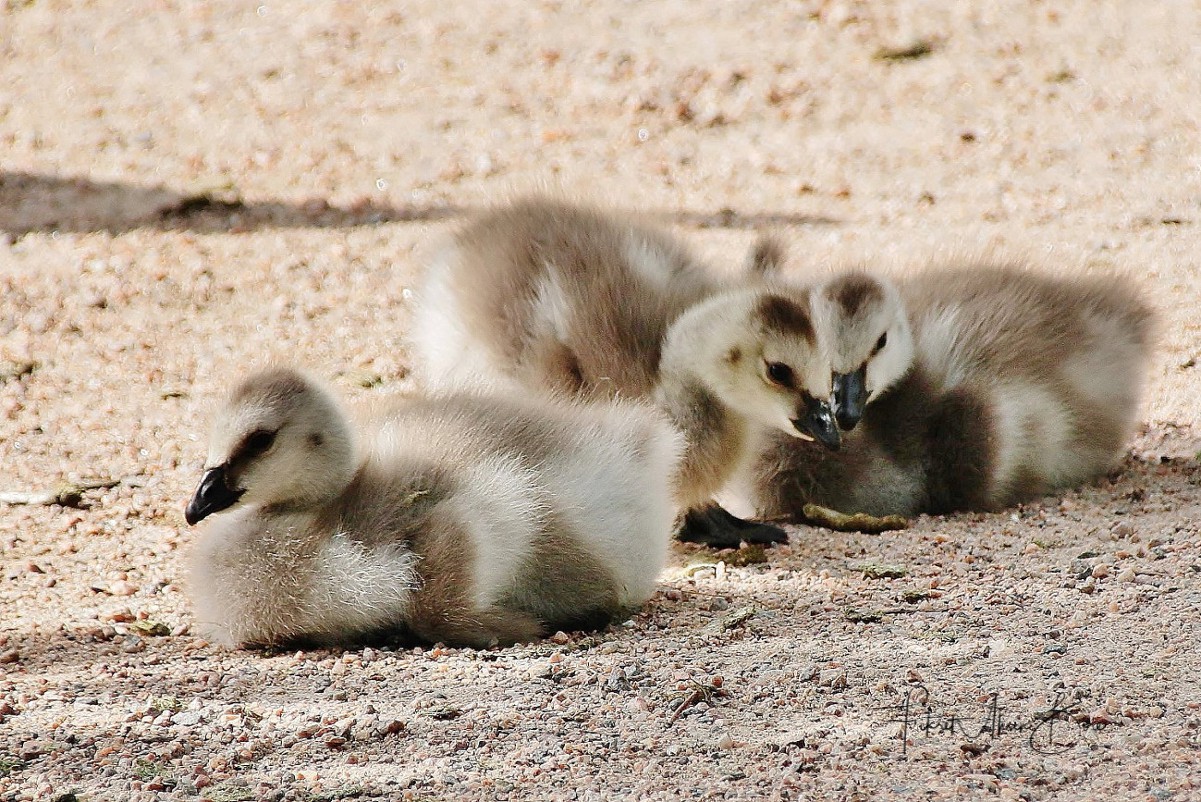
x=259, y=441
x=780, y=374
x=880, y=343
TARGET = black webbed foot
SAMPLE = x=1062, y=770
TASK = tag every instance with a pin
x=714, y=526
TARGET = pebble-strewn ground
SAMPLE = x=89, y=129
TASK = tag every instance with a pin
x=187, y=189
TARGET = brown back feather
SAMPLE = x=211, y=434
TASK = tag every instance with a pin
x=619, y=317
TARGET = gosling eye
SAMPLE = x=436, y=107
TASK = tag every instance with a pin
x=259, y=441
x=780, y=374
x=880, y=343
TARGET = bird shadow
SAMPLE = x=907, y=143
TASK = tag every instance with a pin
x=37, y=203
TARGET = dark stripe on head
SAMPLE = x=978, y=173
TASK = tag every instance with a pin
x=767, y=257
x=786, y=315
x=853, y=291
x=248, y=449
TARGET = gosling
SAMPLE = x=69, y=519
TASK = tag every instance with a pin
x=468, y=520
x=569, y=300
x=978, y=388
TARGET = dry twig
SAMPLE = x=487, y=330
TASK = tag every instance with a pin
x=858, y=522
x=701, y=693
x=68, y=494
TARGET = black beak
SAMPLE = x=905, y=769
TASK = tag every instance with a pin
x=850, y=396
x=818, y=421
x=213, y=495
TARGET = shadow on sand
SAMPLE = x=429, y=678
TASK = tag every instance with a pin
x=33, y=203
x=41, y=203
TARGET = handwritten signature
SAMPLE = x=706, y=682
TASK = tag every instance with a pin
x=918, y=714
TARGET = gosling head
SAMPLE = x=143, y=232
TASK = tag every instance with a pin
x=869, y=339
x=768, y=363
x=280, y=440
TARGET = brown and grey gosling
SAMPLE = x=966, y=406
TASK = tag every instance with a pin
x=463, y=519
x=570, y=300
x=978, y=387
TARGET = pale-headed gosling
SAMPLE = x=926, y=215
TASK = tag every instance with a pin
x=464, y=519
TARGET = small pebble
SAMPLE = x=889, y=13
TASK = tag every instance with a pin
x=1122, y=529
x=833, y=678
x=393, y=727
x=122, y=588
x=31, y=749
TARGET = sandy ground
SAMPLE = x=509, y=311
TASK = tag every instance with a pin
x=187, y=189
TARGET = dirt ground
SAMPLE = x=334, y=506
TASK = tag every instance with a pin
x=187, y=189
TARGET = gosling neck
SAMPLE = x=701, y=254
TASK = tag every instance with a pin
x=715, y=432
x=699, y=341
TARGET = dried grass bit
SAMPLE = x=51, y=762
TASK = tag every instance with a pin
x=701, y=692
x=873, y=570
x=67, y=494
x=750, y=554
x=918, y=48
x=737, y=618
x=857, y=616
x=818, y=515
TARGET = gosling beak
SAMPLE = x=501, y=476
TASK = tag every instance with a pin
x=818, y=422
x=213, y=495
x=850, y=396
